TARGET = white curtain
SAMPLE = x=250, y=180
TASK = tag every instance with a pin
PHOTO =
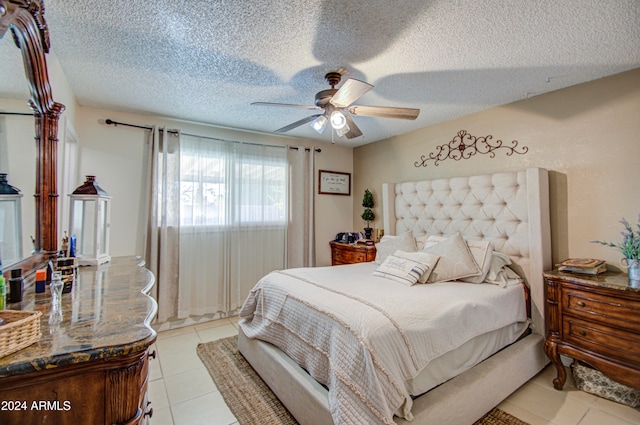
x=301, y=227
x=162, y=247
x=234, y=212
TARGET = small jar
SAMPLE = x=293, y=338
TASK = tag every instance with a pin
x=16, y=286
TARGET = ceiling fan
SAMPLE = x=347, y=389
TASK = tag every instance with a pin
x=337, y=105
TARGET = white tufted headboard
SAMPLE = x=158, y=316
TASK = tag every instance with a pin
x=509, y=209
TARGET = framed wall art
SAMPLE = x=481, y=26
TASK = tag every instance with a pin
x=334, y=183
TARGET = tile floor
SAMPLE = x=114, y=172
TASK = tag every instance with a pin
x=183, y=393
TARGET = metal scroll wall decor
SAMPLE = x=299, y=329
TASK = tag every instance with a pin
x=464, y=146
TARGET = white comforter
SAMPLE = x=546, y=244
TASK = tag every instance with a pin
x=364, y=336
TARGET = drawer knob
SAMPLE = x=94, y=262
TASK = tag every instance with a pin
x=580, y=304
x=581, y=333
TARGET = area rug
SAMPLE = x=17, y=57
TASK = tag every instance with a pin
x=251, y=400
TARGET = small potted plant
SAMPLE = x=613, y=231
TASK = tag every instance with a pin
x=367, y=215
x=629, y=247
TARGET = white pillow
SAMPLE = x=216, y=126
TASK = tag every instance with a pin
x=421, y=240
x=480, y=250
x=405, y=267
x=456, y=261
x=429, y=260
x=390, y=244
x=499, y=272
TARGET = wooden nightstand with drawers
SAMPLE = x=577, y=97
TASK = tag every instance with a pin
x=596, y=320
x=344, y=253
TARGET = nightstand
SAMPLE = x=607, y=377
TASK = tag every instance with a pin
x=594, y=319
x=344, y=253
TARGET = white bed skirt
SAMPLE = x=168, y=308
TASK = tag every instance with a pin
x=479, y=389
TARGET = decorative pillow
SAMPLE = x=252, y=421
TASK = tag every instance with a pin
x=429, y=241
x=405, y=267
x=430, y=260
x=480, y=250
x=421, y=240
x=456, y=261
x=482, y=253
x=499, y=272
x=390, y=244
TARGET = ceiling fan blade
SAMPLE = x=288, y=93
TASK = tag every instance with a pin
x=286, y=105
x=354, y=130
x=349, y=92
x=385, y=112
x=297, y=123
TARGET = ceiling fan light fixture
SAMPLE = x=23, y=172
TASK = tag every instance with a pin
x=343, y=130
x=338, y=121
x=337, y=107
x=319, y=124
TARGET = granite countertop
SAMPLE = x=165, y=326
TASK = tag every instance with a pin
x=609, y=279
x=107, y=314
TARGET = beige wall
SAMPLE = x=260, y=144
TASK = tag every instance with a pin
x=588, y=136
x=116, y=156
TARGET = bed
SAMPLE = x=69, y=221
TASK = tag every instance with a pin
x=509, y=210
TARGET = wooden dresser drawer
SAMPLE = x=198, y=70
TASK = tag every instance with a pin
x=601, y=338
x=349, y=256
x=596, y=307
x=342, y=253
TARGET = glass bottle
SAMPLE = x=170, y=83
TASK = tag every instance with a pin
x=56, y=286
x=3, y=293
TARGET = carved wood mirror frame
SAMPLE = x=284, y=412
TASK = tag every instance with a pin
x=25, y=19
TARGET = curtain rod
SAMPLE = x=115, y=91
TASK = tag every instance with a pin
x=115, y=124
x=17, y=113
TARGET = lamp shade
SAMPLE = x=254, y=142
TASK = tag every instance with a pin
x=343, y=130
x=319, y=124
x=338, y=120
x=90, y=223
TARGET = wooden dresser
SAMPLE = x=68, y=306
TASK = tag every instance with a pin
x=594, y=319
x=344, y=253
x=93, y=367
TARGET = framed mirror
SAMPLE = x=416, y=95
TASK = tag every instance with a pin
x=17, y=162
x=17, y=155
x=22, y=23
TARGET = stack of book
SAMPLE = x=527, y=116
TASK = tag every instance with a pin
x=589, y=266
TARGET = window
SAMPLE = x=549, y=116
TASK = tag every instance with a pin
x=227, y=183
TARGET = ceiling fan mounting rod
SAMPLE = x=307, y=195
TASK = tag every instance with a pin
x=333, y=78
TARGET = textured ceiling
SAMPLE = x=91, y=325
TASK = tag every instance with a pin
x=206, y=61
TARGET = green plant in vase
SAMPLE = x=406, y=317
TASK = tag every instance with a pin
x=629, y=247
x=368, y=215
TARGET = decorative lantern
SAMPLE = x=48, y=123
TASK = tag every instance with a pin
x=89, y=223
x=10, y=222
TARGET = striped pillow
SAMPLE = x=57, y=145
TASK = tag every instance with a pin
x=406, y=268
